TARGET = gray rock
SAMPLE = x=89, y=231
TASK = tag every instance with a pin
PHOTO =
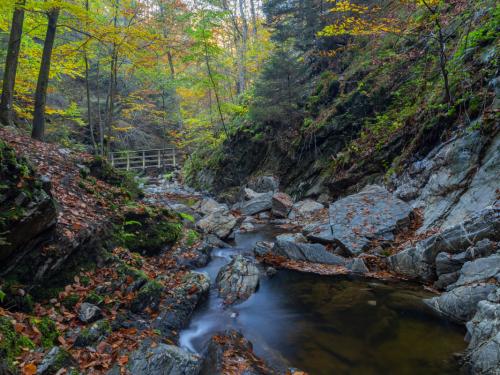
x=358, y=266
x=261, y=202
x=483, y=352
x=237, y=280
x=418, y=261
x=460, y=303
x=89, y=313
x=90, y=336
x=295, y=247
x=177, y=308
x=220, y=223
x=163, y=359
x=305, y=209
x=481, y=269
x=209, y=206
x=446, y=279
x=448, y=263
x=357, y=219
x=281, y=205
x=262, y=248
x=56, y=359
x=264, y=184
x=247, y=227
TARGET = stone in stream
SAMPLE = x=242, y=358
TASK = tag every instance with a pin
x=209, y=206
x=482, y=269
x=357, y=265
x=163, y=359
x=259, y=203
x=177, y=308
x=89, y=313
x=237, y=280
x=262, y=248
x=294, y=246
x=356, y=220
x=281, y=205
x=220, y=223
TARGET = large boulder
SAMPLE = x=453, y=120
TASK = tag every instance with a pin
x=260, y=202
x=418, y=261
x=482, y=269
x=177, y=308
x=460, y=303
x=237, y=280
x=281, y=205
x=209, y=206
x=358, y=219
x=296, y=247
x=163, y=359
x=220, y=223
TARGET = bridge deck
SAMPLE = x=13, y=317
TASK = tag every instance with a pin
x=144, y=159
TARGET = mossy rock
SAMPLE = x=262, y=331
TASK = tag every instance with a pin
x=150, y=231
x=70, y=301
x=11, y=343
x=56, y=359
x=149, y=296
x=91, y=335
x=48, y=329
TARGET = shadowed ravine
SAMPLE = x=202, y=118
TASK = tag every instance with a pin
x=326, y=325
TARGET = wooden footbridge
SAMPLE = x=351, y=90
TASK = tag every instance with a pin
x=164, y=158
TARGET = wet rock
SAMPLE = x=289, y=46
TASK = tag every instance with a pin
x=358, y=266
x=247, y=227
x=262, y=248
x=261, y=202
x=448, y=263
x=460, y=303
x=305, y=209
x=226, y=349
x=356, y=220
x=148, y=297
x=163, y=359
x=446, y=279
x=177, y=308
x=209, y=206
x=294, y=246
x=237, y=280
x=482, y=269
x=264, y=184
x=483, y=352
x=93, y=334
x=281, y=205
x=418, y=261
x=220, y=223
x=197, y=257
x=89, y=313
x=55, y=360
x=271, y=271
x=215, y=242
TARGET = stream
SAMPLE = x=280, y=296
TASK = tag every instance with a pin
x=327, y=324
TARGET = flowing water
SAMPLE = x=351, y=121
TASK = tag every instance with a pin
x=330, y=325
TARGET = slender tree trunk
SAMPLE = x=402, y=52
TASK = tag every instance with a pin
x=101, y=130
x=177, y=103
x=243, y=48
x=254, y=18
x=43, y=77
x=9, y=77
x=87, y=88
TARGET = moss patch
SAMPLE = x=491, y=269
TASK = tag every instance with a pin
x=11, y=342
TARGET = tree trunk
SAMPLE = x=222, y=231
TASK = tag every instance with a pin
x=101, y=130
x=43, y=77
x=9, y=77
x=254, y=18
x=87, y=88
x=242, y=49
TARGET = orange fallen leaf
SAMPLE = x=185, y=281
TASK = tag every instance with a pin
x=29, y=369
x=123, y=360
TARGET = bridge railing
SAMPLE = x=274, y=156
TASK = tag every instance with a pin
x=144, y=159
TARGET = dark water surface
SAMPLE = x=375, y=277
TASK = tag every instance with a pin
x=330, y=325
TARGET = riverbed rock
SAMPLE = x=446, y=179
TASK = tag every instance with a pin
x=483, y=352
x=196, y=257
x=295, y=247
x=229, y=348
x=89, y=313
x=163, y=359
x=220, y=223
x=281, y=205
x=91, y=335
x=262, y=248
x=177, y=308
x=148, y=296
x=356, y=220
x=482, y=269
x=357, y=266
x=460, y=303
x=449, y=263
x=305, y=209
x=209, y=206
x=418, y=261
x=237, y=280
x=55, y=360
x=260, y=202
